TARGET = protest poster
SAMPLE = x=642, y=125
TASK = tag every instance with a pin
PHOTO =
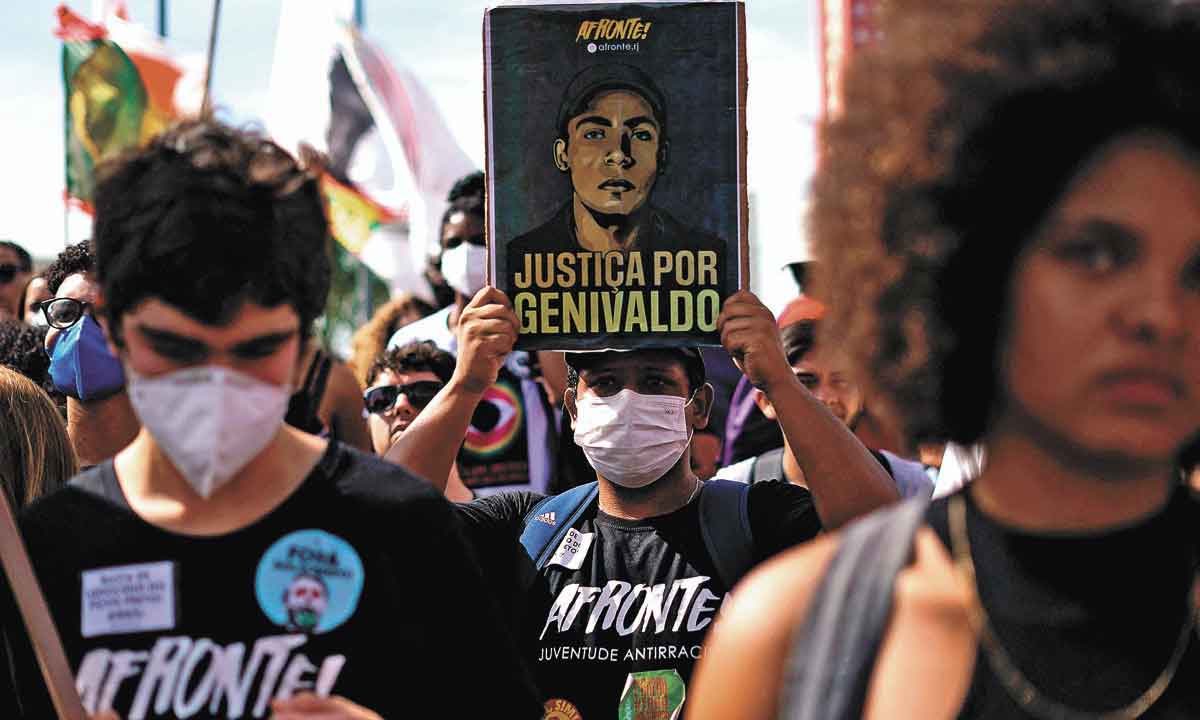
x=616, y=169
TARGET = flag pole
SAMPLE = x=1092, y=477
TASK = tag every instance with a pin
x=206, y=106
x=162, y=18
x=363, y=276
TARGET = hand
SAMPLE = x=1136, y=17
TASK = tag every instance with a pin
x=106, y=715
x=750, y=335
x=307, y=706
x=487, y=331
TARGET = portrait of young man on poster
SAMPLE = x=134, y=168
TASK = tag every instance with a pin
x=613, y=143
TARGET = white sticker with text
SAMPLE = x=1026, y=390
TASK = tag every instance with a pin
x=572, y=550
x=128, y=599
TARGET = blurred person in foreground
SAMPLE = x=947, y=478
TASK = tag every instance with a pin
x=1013, y=196
x=400, y=383
x=35, y=453
x=16, y=267
x=611, y=586
x=246, y=567
x=83, y=366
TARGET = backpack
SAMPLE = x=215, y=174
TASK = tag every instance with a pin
x=724, y=525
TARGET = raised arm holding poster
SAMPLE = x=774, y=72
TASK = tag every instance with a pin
x=616, y=169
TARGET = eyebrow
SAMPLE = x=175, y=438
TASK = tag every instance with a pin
x=595, y=120
x=641, y=120
x=160, y=335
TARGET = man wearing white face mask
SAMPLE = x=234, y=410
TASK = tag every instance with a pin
x=225, y=564
x=611, y=587
x=516, y=428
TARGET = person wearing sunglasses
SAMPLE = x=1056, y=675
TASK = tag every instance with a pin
x=15, y=268
x=100, y=419
x=400, y=383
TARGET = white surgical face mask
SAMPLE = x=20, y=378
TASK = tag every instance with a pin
x=630, y=438
x=463, y=268
x=209, y=420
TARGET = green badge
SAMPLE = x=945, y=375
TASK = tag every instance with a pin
x=652, y=695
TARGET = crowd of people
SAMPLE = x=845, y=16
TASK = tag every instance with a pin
x=228, y=520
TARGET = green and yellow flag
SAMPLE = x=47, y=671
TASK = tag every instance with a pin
x=352, y=214
x=116, y=97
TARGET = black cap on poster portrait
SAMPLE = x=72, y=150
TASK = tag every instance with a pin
x=609, y=76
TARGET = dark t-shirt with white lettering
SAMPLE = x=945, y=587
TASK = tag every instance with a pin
x=626, y=615
x=359, y=584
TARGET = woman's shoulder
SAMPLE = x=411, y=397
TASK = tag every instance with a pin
x=930, y=599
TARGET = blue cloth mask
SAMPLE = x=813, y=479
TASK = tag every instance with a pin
x=81, y=365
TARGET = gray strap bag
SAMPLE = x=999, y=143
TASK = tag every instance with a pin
x=833, y=652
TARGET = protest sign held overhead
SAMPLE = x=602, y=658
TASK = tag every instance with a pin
x=616, y=169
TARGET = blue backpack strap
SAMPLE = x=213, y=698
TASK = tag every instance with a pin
x=550, y=519
x=725, y=526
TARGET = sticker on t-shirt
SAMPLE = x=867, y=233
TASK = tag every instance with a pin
x=309, y=581
x=652, y=695
x=572, y=550
x=128, y=599
x=559, y=709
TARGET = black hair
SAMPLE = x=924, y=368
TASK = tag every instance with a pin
x=954, y=145
x=466, y=196
x=415, y=356
x=22, y=348
x=23, y=257
x=798, y=339
x=207, y=217
x=74, y=259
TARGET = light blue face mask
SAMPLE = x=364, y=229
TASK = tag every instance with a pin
x=81, y=365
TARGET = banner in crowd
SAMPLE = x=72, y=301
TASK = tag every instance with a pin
x=616, y=169
x=122, y=86
x=392, y=157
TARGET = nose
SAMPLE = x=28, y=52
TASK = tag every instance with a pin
x=621, y=153
x=1155, y=313
x=402, y=408
x=825, y=393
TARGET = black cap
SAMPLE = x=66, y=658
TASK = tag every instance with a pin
x=610, y=76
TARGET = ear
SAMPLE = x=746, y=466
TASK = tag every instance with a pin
x=701, y=407
x=560, y=155
x=760, y=399
x=664, y=156
x=569, y=405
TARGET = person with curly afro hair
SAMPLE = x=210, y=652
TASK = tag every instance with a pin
x=1010, y=211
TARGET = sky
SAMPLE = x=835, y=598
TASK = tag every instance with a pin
x=439, y=41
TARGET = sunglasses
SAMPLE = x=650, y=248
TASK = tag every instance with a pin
x=63, y=312
x=381, y=399
x=8, y=272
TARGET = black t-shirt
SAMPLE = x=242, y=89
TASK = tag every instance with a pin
x=1090, y=618
x=359, y=584
x=639, y=600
